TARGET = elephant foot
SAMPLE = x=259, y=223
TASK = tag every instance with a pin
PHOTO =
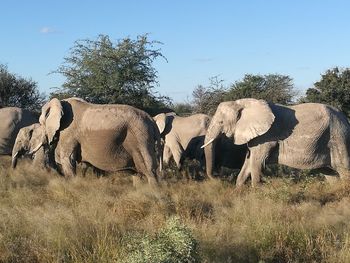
x=331, y=179
x=137, y=181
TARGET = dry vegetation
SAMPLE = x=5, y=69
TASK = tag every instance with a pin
x=45, y=218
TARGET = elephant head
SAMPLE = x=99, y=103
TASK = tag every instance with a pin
x=29, y=141
x=163, y=121
x=242, y=120
x=32, y=140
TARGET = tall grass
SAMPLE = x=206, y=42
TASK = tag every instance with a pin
x=46, y=218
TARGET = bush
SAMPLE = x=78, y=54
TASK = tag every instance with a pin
x=173, y=243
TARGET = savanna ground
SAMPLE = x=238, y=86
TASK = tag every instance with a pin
x=46, y=218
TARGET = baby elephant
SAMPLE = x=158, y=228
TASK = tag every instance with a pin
x=182, y=136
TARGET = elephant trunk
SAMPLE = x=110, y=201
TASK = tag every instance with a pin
x=210, y=159
x=15, y=154
x=213, y=133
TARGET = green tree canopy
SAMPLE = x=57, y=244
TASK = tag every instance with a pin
x=16, y=91
x=333, y=88
x=207, y=98
x=183, y=108
x=272, y=87
x=101, y=71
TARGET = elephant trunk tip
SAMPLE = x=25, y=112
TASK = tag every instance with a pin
x=14, y=160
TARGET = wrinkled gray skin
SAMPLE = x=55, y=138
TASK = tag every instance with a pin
x=109, y=137
x=12, y=119
x=222, y=152
x=182, y=136
x=304, y=136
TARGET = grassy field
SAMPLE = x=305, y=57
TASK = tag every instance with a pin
x=46, y=218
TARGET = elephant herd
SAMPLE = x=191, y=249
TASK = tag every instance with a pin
x=244, y=134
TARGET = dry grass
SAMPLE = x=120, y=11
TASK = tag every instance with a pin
x=46, y=218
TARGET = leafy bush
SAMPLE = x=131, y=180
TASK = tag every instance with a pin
x=173, y=243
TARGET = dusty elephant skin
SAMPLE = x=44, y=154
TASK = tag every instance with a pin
x=109, y=137
x=305, y=136
x=12, y=119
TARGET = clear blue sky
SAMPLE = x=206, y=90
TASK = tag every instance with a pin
x=301, y=38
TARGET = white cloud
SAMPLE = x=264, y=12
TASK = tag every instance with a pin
x=47, y=30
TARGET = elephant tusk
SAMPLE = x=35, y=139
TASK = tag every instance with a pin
x=15, y=155
x=209, y=142
x=36, y=148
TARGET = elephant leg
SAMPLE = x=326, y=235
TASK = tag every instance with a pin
x=166, y=155
x=259, y=155
x=136, y=180
x=146, y=163
x=244, y=173
x=177, y=153
x=68, y=159
x=255, y=171
x=68, y=166
x=84, y=168
x=40, y=159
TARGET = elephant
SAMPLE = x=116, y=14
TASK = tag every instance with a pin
x=29, y=143
x=303, y=136
x=182, y=136
x=30, y=137
x=12, y=120
x=110, y=137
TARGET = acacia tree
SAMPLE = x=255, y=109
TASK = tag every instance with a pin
x=272, y=87
x=16, y=91
x=207, y=98
x=101, y=71
x=333, y=88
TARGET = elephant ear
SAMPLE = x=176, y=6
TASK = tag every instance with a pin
x=50, y=118
x=162, y=120
x=256, y=118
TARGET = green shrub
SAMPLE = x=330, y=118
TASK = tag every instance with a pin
x=173, y=243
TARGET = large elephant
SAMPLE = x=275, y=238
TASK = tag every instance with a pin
x=109, y=137
x=183, y=136
x=12, y=119
x=304, y=136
